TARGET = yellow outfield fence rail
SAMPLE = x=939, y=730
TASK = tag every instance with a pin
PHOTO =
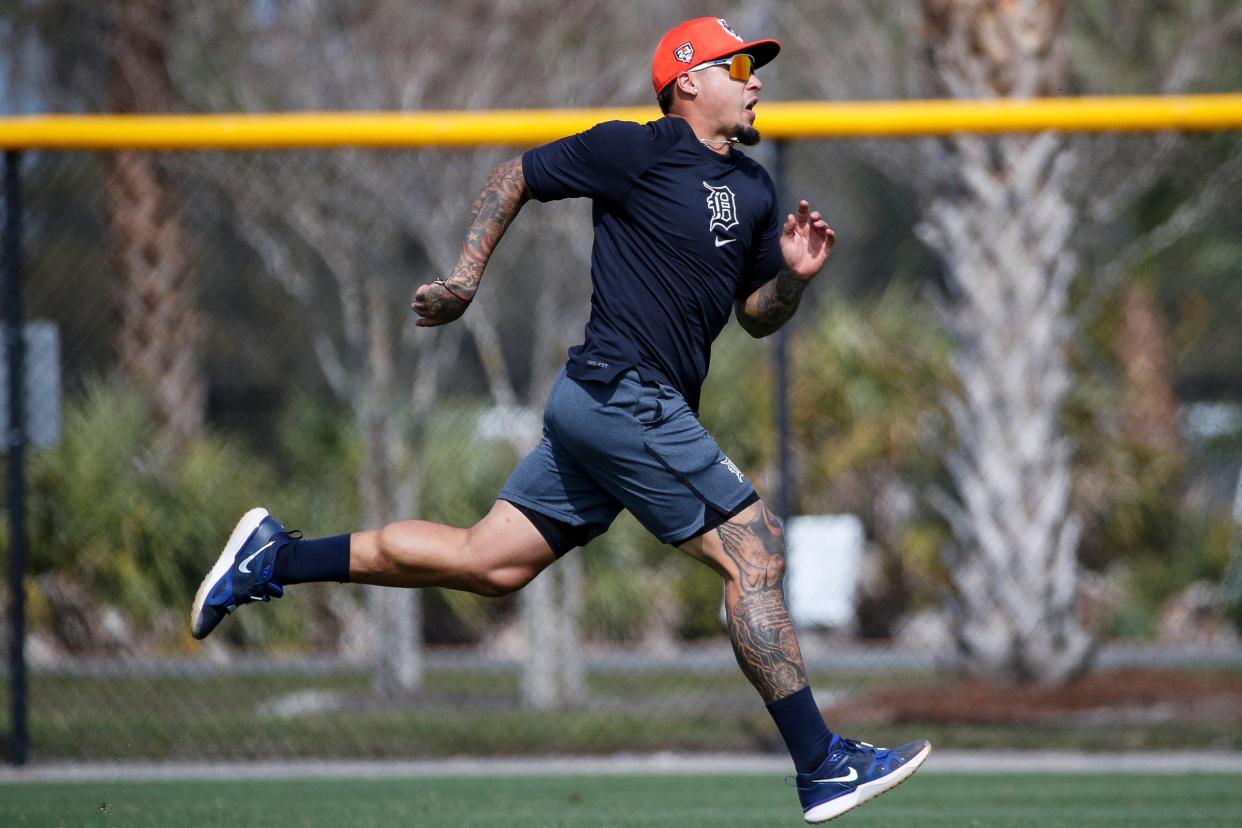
x=780, y=120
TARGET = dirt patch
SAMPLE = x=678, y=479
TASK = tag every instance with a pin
x=1121, y=696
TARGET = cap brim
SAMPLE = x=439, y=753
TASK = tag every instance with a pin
x=763, y=51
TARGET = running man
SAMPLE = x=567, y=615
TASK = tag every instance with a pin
x=686, y=228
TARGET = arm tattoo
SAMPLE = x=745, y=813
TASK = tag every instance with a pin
x=771, y=306
x=503, y=195
x=762, y=633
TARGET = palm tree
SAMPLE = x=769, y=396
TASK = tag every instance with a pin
x=1001, y=222
x=160, y=339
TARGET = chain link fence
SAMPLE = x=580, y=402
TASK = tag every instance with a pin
x=232, y=329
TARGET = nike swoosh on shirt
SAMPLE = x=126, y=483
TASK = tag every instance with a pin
x=849, y=777
x=723, y=242
x=241, y=567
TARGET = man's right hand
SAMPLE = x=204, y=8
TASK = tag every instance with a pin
x=436, y=304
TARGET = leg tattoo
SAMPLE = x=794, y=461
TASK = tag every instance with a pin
x=762, y=633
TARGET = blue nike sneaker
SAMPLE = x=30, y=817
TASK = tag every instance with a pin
x=855, y=772
x=242, y=573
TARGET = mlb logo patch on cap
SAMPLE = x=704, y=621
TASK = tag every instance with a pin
x=724, y=24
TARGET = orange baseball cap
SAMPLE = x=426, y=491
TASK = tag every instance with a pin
x=700, y=40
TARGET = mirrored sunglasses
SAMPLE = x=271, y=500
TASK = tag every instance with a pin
x=741, y=67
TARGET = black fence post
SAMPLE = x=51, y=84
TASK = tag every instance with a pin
x=780, y=357
x=14, y=320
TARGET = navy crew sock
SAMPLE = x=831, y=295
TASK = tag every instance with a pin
x=803, y=729
x=303, y=561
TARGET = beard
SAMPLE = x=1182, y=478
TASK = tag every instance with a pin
x=747, y=136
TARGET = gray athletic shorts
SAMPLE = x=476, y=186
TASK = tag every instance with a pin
x=628, y=445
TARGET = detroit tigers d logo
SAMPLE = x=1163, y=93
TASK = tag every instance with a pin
x=723, y=206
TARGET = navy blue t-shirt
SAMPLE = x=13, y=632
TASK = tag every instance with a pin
x=680, y=233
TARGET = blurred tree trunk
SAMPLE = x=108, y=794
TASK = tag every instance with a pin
x=1001, y=223
x=1149, y=417
x=160, y=340
x=1232, y=579
x=553, y=672
x=396, y=612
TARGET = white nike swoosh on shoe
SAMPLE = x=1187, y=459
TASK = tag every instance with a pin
x=849, y=777
x=241, y=567
x=723, y=242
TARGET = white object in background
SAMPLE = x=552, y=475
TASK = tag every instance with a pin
x=823, y=558
x=42, y=386
x=822, y=565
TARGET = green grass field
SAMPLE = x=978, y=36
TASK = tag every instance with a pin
x=926, y=800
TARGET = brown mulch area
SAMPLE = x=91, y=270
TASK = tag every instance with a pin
x=1120, y=696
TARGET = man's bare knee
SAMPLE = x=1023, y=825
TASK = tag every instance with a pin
x=498, y=555
x=500, y=581
x=502, y=553
x=494, y=566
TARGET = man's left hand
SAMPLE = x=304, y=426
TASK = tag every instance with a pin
x=806, y=241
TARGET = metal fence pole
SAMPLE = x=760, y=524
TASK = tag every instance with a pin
x=780, y=357
x=14, y=313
